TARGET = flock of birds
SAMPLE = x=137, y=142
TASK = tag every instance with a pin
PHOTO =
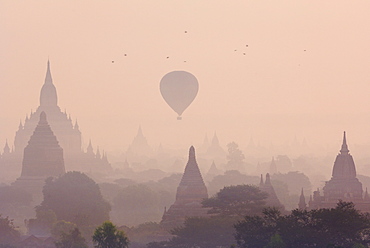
x=235, y=50
x=185, y=60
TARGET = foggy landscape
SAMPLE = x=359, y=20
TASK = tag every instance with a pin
x=184, y=123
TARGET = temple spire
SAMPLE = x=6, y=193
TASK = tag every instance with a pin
x=344, y=145
x=261, y=181
x=48, y=78
x=302, y=201
x=6, y=147
x=48, y=95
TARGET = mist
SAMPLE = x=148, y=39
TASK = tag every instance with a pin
x=281, y=80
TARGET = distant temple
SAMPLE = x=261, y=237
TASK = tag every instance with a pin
x=190, y=193
x=273, y=167
x=43, y=158
x=215, y=150
x=68, y=135
x=272, y=199
x=139, y=146
x=343, y=185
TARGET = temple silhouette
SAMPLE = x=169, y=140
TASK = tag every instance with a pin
x=190, y=193
x=67, y=134
x=43, y=158
x=343, y=185
x=272, y=200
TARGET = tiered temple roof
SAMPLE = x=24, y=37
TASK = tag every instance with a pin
x=190, y=193
x=43, y=155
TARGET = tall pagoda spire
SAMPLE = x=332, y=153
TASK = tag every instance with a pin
x=6, y=148
x=192, y=176
x=344, y=166
x=344, y=149
x=48, y=95
x=190, y=193
x=302, y=201
x=48, y=78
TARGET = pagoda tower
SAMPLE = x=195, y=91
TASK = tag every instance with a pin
x=190, y=193
x=43, y=158
x=140, y=146
x=68, y=135
x=343, y=184
x=302, y=201
x=272, y=199
x=273, y=167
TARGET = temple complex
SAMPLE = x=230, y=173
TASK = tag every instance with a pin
x=68, y=134
x=343, y=184
x=190, y=193
x=272, y=199
x=43, y=158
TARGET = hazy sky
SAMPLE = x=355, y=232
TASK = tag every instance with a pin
x=305, y=72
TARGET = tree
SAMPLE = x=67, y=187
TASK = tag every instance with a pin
x=8, y=233
x=276, y=242
x=238, y=200
x=231, y=177
x=61, y=227
x=108, y=236
x=45, y=219
x=342, y=226
x=73, y=239
x=235, y=157
x=76, y=198
x=216, y=231
x=136, y=204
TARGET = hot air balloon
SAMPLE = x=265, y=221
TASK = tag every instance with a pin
x=179, y=89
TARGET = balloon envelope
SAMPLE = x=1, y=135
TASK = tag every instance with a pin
x=179, y=89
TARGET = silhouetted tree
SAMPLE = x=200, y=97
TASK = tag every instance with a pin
x=76, y=198
x=62, y=227
x=72, y=239
x=276, y=242
x=238, y=200
x=8, y=233
x=108, y=236
x=342, y=226
x=45, y=219
x=235, y=157
x=231, y=177
x=136, y=204
x=199, y=232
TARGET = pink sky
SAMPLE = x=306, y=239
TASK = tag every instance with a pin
x=305, y=72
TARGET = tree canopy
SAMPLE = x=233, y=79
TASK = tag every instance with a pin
x=200, y=232
x=72, y=239
x=108, y=236
x=235, y=157
x=76, y=198
x=136, y=204
x=342, y=226
x=238, y=200
x=8, y=233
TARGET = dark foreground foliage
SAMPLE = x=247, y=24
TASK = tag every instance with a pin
x=211, y=232
x=340, y=227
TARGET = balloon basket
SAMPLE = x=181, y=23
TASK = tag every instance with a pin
x=179, y=118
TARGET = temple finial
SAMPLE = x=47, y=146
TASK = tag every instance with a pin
x=344, y=144
x=48, y=78
x=192, y=153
